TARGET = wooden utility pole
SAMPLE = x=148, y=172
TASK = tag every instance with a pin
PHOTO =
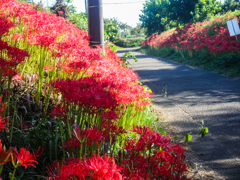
x=95, y=23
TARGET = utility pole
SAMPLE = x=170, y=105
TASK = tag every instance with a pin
x=95, y=23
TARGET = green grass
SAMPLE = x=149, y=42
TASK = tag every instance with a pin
x=118, y=47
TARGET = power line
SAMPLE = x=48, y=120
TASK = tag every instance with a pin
x=127, y=2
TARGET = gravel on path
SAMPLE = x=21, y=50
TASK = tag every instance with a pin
x=193, y=95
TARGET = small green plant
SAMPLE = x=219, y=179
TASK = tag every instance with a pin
x=203, y=131
x=129, y=55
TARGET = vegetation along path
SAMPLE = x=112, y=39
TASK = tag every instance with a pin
x=193, y=95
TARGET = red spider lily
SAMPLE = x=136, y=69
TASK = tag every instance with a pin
x=142, y=130
x=54, y=169
x=93, y=167
x=8, y=72
x=25, y=158
x=110, y=115
x=17, y=78
x=110, y=131
x=3, y=106
x=5, y=25
x=50, y=68
x=72, y=143
x=2, y=124
x=115, y=84
x=4, y=155
x=88, y=135
x=71, y=170
x=59, y=111
x=102, y=168
x=152, y=156
x=197, y=36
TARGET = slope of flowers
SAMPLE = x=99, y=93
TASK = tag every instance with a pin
x=212, y=36
x=67, y=55
x=140, y=159
x=77, y=109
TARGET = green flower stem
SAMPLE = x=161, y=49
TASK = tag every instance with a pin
x=1, y=168
x=13, y=174
x=12, y=128
x=80, y=154
x=62, y=134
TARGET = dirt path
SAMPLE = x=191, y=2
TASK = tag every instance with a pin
x=193, y=95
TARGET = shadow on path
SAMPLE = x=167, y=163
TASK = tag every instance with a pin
x=194, y=95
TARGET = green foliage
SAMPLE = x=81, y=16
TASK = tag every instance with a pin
x=129, y=55
x=154, y=16
x=230, y=5
x=80, y=20
x=162, y=15
x=203, y=132
x=205, y=9
x=137, y=30
x=180, y=10
x=224, y=62
x=125, y=42
x=188, y=137
x=111, y=29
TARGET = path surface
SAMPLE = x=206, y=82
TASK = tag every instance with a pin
x=194, y=95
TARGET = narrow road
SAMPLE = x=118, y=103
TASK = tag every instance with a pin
x=194, y=95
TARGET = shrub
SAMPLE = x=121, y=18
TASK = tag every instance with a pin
x=128, y=42
x=206, y=42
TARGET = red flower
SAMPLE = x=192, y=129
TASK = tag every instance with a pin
x=110, y=131
x=142, y=130
x=88, y=135
x=72, y=143
x=59, y=111
x=4, y=155
x=5, y=25
x=102, y=168
x=25, y=158
x=2, y=124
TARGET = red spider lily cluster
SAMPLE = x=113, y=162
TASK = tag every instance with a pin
x=10, y=56
x=104, y=77
x=149, y=155
x=92, y=93
x=95, y=167
x=210, y=35
x=152, y=156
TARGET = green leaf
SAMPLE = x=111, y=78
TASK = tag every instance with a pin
x=188, y=137
x=164, y=133
x=203, y=131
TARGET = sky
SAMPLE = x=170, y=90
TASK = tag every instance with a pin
x=127, y=11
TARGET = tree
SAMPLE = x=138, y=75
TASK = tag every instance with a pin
x=111, y=28
x=62, y=8
x=124, y=27
x=230, y=5
x=137, y=30
x=80, y=20
x=205, y=9
x=181, y=10
x=155, y=16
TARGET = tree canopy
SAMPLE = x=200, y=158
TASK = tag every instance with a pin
x=161, y=15
x=154, y=16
